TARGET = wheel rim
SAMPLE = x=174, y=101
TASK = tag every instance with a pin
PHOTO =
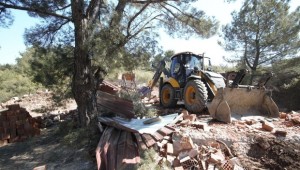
x=166, y=96
x=190, y=95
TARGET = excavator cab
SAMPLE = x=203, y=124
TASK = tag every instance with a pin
x=184, y=65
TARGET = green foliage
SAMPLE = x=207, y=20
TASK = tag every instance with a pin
x=149, y=161
x=140, y=110
x=52, y=67
x=258, y=37
x=287, y=83
x=13, y=84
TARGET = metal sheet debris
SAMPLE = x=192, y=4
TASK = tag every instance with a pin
x=137, y=125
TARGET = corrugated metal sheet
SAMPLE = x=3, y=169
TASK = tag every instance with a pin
x=137, y=125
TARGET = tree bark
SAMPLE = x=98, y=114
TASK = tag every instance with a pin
x=84, y=84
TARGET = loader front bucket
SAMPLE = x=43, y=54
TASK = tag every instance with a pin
x=238, y=102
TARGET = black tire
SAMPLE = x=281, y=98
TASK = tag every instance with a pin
x=167, y=96
x=195, y=96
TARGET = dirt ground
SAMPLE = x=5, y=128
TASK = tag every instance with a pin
x=255, y=147
x=46, y=149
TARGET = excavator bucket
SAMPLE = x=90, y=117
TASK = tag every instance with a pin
x=239, y=102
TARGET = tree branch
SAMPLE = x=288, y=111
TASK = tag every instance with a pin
x=34, y=10
x=135, y=16
x=150, y=1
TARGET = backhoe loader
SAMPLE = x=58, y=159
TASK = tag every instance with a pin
x=190, y=80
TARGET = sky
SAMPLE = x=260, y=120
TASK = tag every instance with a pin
x=12, y=41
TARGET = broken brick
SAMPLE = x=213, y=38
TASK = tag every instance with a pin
x=176, y=162
x=170, y=159
x=170, y=149
x=191, y=117
x=165, y=131
x=193, y=153
x=176, y=147
x=179, y=168
x=185, y=112
x=296, y=119
x=186, y=143
x=282, y=115
x=216, y=157
x=185, y=122
x=267, y=126
x=200, y=125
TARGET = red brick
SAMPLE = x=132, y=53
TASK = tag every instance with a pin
x=186, y=143
x=165, y=131
x=179, y=168
x=282, y=115
x=177, y=147
x=200, y=125
x=296, y=119
x=193, y=153
x=190, y=117
x=170, y=149
x=267, y=126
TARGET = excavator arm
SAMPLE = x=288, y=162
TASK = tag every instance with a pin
x=161, y=68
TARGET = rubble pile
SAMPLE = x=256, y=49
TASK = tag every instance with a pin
x=16, y=124
x=179, y=151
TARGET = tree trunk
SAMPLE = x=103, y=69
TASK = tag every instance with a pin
x=83, y=85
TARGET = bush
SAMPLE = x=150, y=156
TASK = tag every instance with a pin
x=15, y=84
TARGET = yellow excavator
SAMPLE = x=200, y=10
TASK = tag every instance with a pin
x=190, y=79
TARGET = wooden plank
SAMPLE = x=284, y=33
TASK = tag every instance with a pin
x=148, y=140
